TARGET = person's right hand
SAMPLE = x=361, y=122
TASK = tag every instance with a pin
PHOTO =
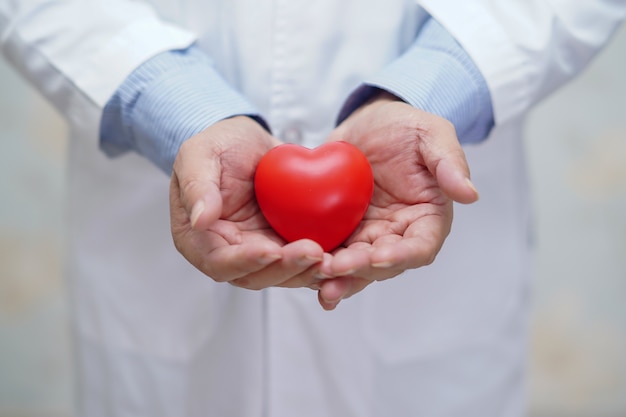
x=215, y=220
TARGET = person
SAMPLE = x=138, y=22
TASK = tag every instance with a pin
x=201, y=90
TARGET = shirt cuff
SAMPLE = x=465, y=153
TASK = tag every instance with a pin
x=436, y=75
x=165, y=101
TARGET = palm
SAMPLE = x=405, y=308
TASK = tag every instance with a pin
x=407, y=204
x=408, y=214
x=418, y=167
x=231, y=241
x=241, y=220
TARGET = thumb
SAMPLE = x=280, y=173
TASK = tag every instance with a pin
x=452, y=176
x=198, y=180
x=446, y=160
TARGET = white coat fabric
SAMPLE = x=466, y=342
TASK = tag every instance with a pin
x=156, y=338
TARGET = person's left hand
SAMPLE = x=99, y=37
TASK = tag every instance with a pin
x=419, y=169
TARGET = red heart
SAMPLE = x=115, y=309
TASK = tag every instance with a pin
x=319, y=194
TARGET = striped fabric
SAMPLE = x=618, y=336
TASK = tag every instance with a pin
x=177, y=94
x=435, y=75
x=166, y=100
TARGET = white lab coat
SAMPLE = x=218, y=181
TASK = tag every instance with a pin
x=156, y=338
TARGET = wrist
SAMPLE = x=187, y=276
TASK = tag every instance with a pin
x=435, y=75
x=165, y=101
x=376, y=96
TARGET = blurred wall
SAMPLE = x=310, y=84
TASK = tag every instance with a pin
x=35, y=358
x=577, y=156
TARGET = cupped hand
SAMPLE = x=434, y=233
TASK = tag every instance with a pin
x=419, y=169
x=215, y=220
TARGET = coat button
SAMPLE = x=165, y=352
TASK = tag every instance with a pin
x=291, y=135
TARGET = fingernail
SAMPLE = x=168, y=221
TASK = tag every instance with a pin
x=382, y=264
x=332, y=306
x=346, y=272
x=321, y=275
x=471, y=185
x=336, y=300
x=308, y=260
x=333, y=303
x=196, y=211
x=268, y=258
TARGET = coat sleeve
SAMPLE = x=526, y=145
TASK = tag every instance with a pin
x=77, y=52
x=526, y=49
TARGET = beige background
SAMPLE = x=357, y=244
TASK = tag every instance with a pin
x=577, y=155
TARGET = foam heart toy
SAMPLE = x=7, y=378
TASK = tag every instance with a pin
x=320, y=194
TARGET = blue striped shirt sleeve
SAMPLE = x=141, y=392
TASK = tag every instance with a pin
x=166, y=100
x=436, y=75
x=177, y=94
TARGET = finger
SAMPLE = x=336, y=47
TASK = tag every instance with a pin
x=454, y=183
x=225, y=262
x=445, y=159
x=358, y=262
x=293, y=270
x=408, y=253
x=358, y=285
x=351, y=260
x=197, y=172
x=319, y=272
x=333, y=291
x=311, y=277
x=179, y=220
